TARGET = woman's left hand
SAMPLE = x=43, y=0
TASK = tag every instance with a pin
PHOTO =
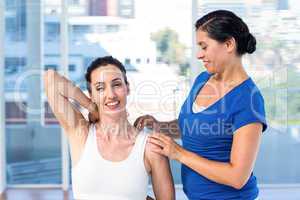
x=165, y=145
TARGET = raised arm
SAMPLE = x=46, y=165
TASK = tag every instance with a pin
x=162, y=180
x=169, y=128
x=58, y=91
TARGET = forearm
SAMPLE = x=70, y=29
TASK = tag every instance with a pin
x=221, y=172
x=67, y=89
x=170, y=128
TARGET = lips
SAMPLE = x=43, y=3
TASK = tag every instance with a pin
x=205, y=62
x=113, y=104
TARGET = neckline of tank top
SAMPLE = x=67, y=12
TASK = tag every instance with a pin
x=132, y=151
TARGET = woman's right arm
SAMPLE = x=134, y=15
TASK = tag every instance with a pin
x=58, y=91
x=169, y=128
x=161, y=176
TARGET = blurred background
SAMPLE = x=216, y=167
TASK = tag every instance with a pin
x=155, y=40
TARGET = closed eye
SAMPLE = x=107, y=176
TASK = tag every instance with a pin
x=117, y=84
x=99, y=88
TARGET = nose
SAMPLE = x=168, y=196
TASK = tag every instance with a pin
x=200, y=54
x=110, y=93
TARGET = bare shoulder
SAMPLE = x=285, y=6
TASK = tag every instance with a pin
x=152, y=159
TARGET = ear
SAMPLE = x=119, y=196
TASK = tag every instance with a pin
x=231, y=45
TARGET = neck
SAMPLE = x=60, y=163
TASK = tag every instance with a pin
x=233, y=74
x=115, y=127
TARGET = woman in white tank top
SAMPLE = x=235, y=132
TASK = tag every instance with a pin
x=111, y=160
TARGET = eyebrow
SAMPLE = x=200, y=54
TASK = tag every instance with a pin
x=101, y=83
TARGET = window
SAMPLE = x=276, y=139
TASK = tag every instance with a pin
x=126, y=2
x=112, y=28
x=15, y=112
x=33, y=152
x=52, y=31
x=51, y=66
x=79, y=31
x=72, y=67
x=16, y=21
x=14, y=65
x=48, y=115
x=127, y=61
x=74, y=2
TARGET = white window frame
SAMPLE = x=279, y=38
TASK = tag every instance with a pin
x=2, y=100
x=64, y=63
x=64, y=50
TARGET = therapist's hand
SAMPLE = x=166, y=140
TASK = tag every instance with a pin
x=165, y=145
x=146, y=121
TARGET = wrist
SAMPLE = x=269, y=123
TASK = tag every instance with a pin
x=180, y=154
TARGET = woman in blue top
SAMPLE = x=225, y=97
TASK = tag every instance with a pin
x=221, y=121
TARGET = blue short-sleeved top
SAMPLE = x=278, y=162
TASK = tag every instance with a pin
x=209, y=134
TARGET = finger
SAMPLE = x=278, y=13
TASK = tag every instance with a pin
x=154, y=135
x=139, y=124
x=154, y=148
x=164, y=138
x=135, y=124
x=159, y=151
x=161, y=137
x=156, y=142
x=151, y=145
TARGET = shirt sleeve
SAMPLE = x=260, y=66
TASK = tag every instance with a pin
x=250, y=110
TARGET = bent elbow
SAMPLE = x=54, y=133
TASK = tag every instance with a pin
x=239, y=183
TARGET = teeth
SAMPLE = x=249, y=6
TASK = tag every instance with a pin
x=112, y=103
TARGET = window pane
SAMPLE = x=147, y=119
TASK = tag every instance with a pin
x=33, y=149
x=15, y=113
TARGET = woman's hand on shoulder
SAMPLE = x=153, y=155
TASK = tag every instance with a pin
x=165, y=145
x=146, y=121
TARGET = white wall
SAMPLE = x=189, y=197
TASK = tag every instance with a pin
x=2, y=113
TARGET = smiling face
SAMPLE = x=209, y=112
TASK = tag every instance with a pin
x=109, y=90
x=212, y=53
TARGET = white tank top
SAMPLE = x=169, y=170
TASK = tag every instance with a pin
x=94, y=178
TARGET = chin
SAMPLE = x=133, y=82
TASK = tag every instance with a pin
x=210, y=70
x=115, y=113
